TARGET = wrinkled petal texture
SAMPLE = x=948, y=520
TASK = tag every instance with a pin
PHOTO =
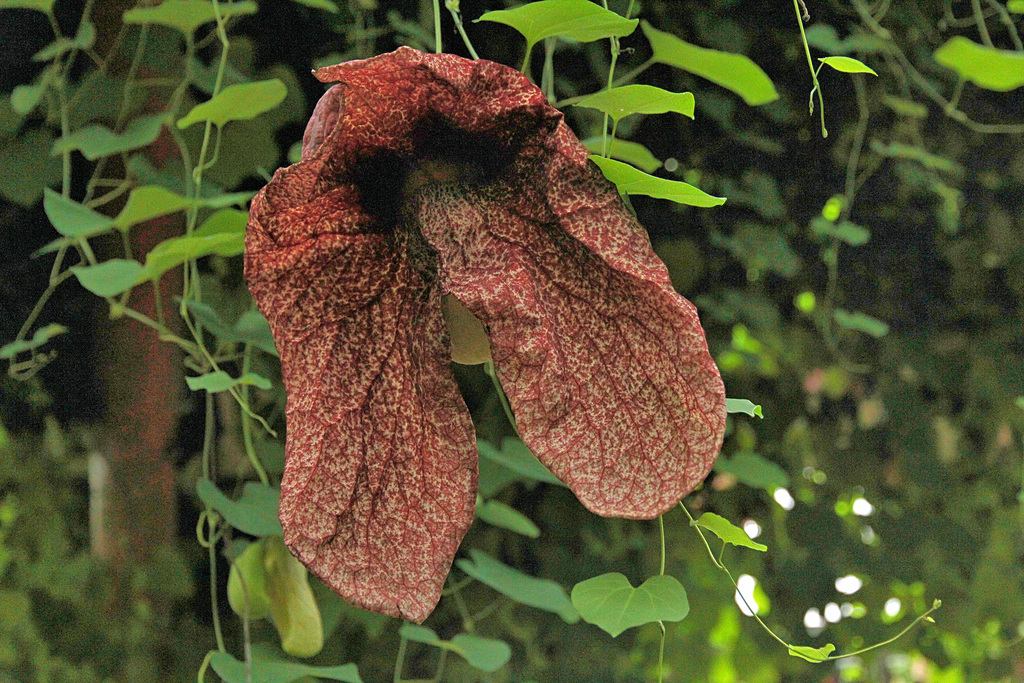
x=605, y=366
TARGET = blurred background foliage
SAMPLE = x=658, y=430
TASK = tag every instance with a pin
x=865, y=289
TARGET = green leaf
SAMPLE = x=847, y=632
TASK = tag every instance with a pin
x=579, y=20
x=186, y=15
x=986, y=67
x=754, y=470
x=109, y=278
x=251, y=327
x=908, y=108
x=847, y=65
x=1015, y=6
x=224, y=222
x=255, y=513
x=325, y=5
x=419, y=634
x=611, y=603
x=634, y=181
x=861, y=322
x=727, y=531
x=851, y=233
x=25, y=98
x=83, y=41
x=41, y=336
x=97, y=141
x=826, y=39
x=40, y=5
x=898, y=150
x=498, y=514
x=486, y=654
x=29, y=153
x=638, y=99
x=731, y=71
x=175, y=251
x=72, y=219
x=523, y=588
x=146, y=203
x=222, y=381
x=517, y=457
x=624, y=150
x=742, y=405
x=278, y=670
x=239, y=102
x=815, y=655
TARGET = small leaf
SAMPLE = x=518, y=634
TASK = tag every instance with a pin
x=634, y=181
x=742, y=405
x=419, y=634
x=986, y=67
x=731, y=71
x=753, y=470
x=727, y=531
x=486, y=654
x=611, y=603
x=579, y=20
x=278, y=671
x=109, y=278
x=250, y=327
x=851, y=233
x=72, y=219
x=83, y=41
x=847, y=65
x=638, y=99
x=29, y=153
x=41, y=336
x=175, y=251
x=908, y=108
x=146, y=203
x=325, y=5
x=897, y=150
x=498, y=514
x=222, y=381
x=861, y=322
x=25, y=98
x=97, y=141
x=186, y=15
x=255, y=513
x=237, y=103
x=515, y=456
x=1015, y=6
x=815, y=655
x=523, y=588
x=40, y=5
x=631, y=152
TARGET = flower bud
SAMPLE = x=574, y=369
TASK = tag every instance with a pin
x=292, y=605
x=247, y=583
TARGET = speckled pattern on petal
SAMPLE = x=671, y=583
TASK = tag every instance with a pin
x=605, y=366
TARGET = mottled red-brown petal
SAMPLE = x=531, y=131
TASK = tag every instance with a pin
x=606, y=366
x=608, y=372
x=380, y=477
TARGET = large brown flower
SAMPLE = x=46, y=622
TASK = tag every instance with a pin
x=433, y=190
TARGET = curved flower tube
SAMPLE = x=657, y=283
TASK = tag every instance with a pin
x=440, y=200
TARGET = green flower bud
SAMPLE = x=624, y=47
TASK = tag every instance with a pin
x=292, y=606
x=247, y=583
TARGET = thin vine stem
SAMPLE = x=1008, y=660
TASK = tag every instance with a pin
x=437, y=27
x=810, y=64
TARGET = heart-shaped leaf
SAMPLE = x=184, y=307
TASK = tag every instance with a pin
x=731, y=71
x=254, y=513
x=847, y=65
x=742, y=405
x=72, y=219
x=97, y=141
x=186, y=15
x=611, y=603
x=638, y=99
x=986, y=67
x=523, y=588
x=278, y=671
x=817, y=655
x=110, y=278
x=753, y=470
x=238, y=102
x=727, y=531
x=579, y=20
x=631, y=152
x=630, y=180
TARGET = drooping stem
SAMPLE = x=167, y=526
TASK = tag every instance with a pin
x=810, y=64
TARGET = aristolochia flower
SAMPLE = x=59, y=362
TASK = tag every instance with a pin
x=443, y=209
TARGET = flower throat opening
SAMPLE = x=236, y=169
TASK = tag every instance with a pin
x=389, y=179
